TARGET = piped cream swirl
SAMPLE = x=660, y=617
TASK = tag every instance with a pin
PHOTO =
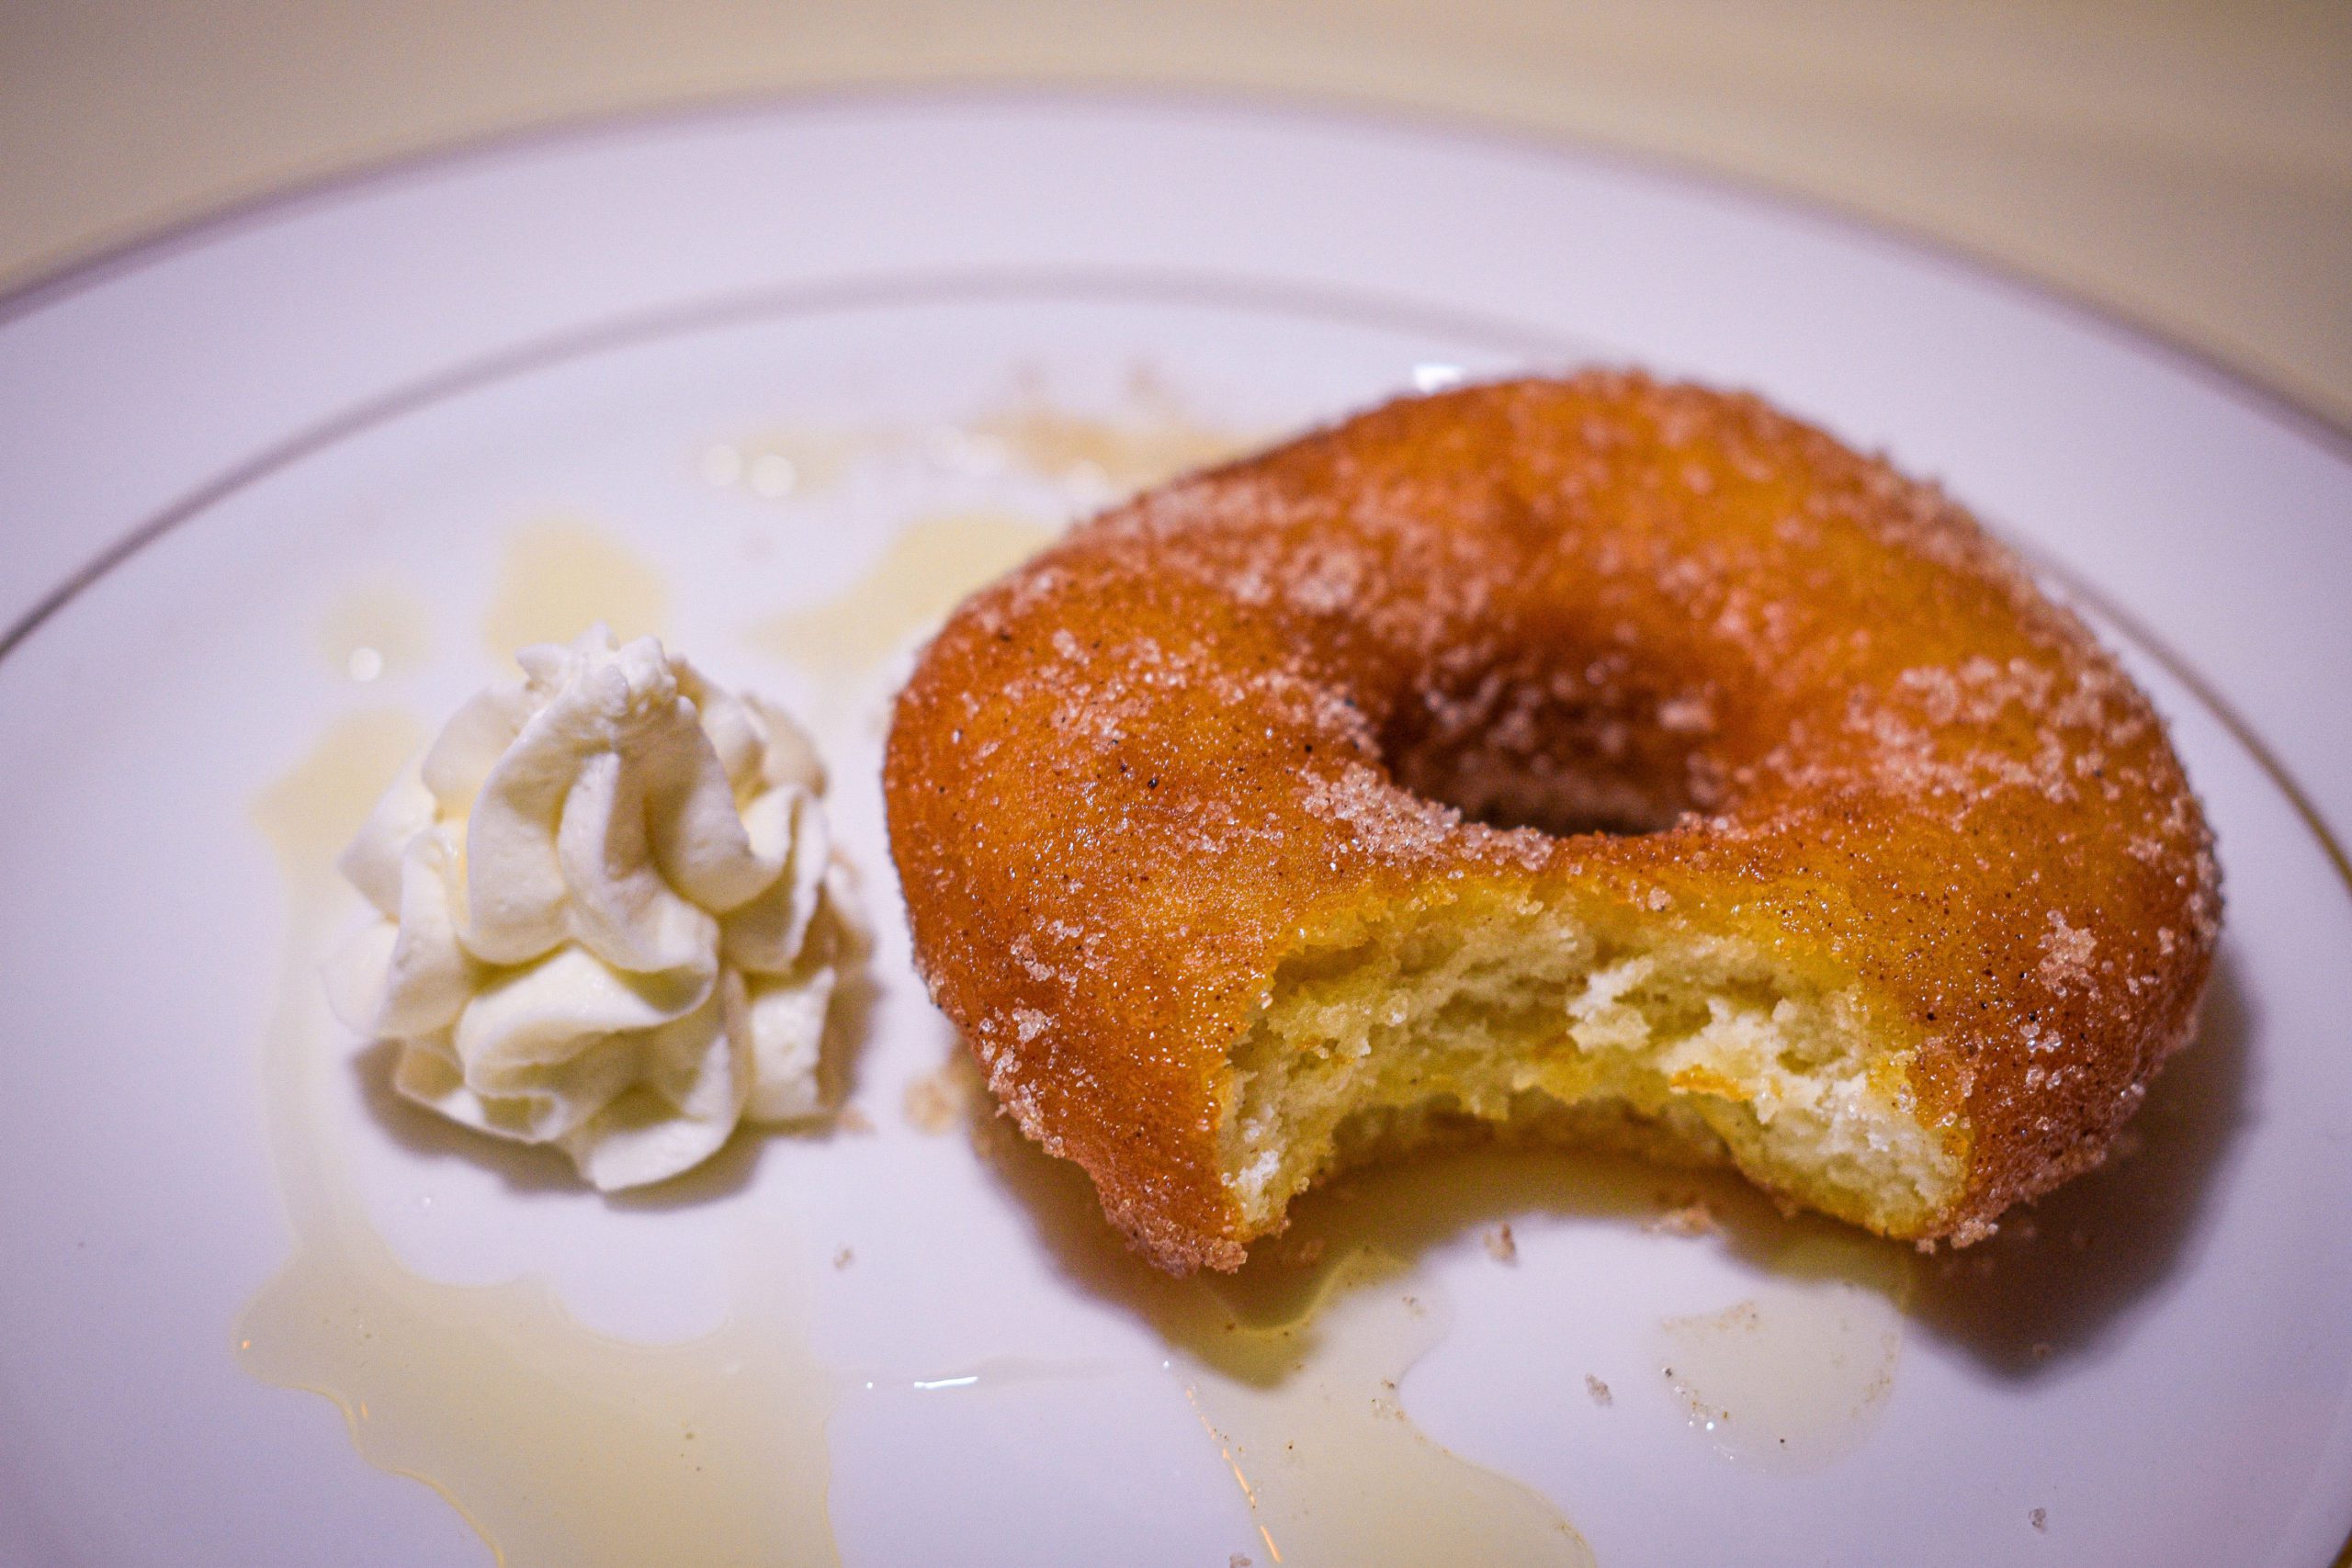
x=610, y=917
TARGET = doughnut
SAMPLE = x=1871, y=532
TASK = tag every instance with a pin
x=1582, y=758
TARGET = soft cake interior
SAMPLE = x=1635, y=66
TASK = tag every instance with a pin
x=1530, y=1021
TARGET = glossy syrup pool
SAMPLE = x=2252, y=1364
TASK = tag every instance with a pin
x=560, y=575
x=1306, y=1406
x=564, y=1446
x=1300, y=1364
x=375, y=629
x=1294, y=1368
x=1795, y=1375
x=930, y=566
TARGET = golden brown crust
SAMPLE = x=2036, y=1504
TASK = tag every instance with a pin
x=1125, y=780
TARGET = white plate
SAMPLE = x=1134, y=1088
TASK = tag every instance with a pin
x=229, y=460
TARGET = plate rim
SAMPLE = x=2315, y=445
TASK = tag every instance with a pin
x=1339, y=110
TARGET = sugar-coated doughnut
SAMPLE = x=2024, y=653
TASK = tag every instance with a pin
x=1587, y=756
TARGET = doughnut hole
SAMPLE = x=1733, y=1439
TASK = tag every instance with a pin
x=1578, y=749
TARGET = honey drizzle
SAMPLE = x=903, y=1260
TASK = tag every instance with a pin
x=928, y=568
x=1306, y=1414
x=560, y=1446
x=558, y=577
x=1794, y=1376
x=1293, y=1366
x=378, y=630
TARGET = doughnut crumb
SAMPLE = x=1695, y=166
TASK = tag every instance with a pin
x=1514, y=1018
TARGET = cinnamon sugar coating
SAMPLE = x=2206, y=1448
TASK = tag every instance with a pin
x=1823, y=714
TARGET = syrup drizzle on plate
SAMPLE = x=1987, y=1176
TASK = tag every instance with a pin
x=561, y=1446
x=1294, y=1365
x=378, y=630
x=930, y=566
x=1796, y=1376
x=1305, y=1410
x=558, y=577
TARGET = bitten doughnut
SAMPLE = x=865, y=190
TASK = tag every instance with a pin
x=1587, y=756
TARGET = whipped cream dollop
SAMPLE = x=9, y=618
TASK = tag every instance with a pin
x=609, y=914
